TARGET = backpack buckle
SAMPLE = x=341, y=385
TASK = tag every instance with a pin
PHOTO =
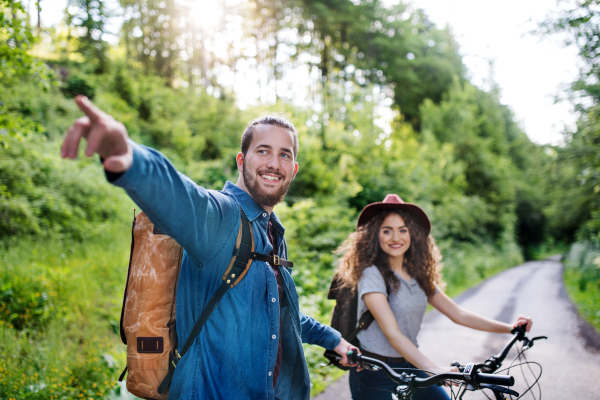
x=276, y=260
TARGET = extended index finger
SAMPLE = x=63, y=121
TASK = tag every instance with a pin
x=88, y=108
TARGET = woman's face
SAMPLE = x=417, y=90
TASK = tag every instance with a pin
x=394, y=237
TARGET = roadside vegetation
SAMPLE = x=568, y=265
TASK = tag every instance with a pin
x=582, y=280
x=574, y=212
x=372, y=122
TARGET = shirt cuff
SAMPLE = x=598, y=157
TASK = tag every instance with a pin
x=331, y=339
x=121, y=179
x=111, y=176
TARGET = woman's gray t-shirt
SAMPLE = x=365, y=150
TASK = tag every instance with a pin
x=408, y=304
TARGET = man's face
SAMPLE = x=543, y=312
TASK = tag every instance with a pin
x=269, y=166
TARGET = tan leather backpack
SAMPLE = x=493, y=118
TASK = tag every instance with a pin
x=148, y=314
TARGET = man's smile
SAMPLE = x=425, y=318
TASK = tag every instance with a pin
x=271, y=177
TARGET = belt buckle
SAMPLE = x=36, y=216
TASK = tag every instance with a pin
x=276, y=260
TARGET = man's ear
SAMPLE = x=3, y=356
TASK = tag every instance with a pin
x=295, y=170
x=239, y=159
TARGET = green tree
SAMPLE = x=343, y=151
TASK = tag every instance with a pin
x=91, y=17
x=580, y=166
x=386, y=44
x=17, y=66
x=150, y=32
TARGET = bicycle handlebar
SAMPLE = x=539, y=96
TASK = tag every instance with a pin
x=475, y=378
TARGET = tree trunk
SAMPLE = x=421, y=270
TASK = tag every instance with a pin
x=39, y=17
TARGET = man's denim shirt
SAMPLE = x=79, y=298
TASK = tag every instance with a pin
x=234, y=355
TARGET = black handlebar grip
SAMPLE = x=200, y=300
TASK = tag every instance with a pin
x=519, y=329
x=493, y=379
x=353, y=356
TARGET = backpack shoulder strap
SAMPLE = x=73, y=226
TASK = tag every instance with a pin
x=238, y=267
x=366, y=319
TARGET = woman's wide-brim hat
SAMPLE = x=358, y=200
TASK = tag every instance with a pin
x=394, y=202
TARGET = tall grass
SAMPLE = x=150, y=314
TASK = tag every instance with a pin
x=582, y=280
x=59, y=316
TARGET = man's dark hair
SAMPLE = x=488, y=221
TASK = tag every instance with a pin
x=273, y=119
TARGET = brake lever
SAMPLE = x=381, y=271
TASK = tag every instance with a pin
x=529, y=343
x=499, y=389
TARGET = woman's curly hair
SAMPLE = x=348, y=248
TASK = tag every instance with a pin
x=422, y=260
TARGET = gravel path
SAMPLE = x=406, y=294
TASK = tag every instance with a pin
x=570, y=357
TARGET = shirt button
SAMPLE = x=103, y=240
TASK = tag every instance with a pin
x=270, y=373
x=273, y=337
x=265, y=215
x=273, y=300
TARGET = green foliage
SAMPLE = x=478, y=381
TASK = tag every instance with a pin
x=582, y=280
x=63, y=341
x=123, y=86
x=503, y=170
x=42, y=196
x=313, y=232
x=16, y=64
x=385, y=43
x=15, y=39
x=76, y=85
x=25, y=304
x=466, y=264
x=151, y=31
x=91, y=17
x=579, y=171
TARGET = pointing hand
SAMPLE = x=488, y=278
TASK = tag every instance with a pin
x=105, y=136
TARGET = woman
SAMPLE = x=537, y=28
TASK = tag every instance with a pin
x=395, y=266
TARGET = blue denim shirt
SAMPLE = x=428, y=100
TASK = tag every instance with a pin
x=235, y=353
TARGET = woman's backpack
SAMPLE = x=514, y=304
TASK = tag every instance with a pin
x=344, y=318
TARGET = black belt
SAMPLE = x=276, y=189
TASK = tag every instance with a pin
x=273, y=260
x=385, y=359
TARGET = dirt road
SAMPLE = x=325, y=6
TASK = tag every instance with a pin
x=570, y=357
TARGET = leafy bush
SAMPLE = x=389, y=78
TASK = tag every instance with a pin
x=76, y=85
x=466, y=264
x=41, y=195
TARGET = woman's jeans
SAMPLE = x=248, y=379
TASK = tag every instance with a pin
x=375, y=385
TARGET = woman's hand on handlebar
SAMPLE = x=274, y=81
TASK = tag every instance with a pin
x=524, y=321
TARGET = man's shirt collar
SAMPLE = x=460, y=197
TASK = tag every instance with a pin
x=250, y=207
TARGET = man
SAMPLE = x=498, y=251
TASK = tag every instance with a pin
x=250, y=348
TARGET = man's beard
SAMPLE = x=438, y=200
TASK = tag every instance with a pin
x=259, y=195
